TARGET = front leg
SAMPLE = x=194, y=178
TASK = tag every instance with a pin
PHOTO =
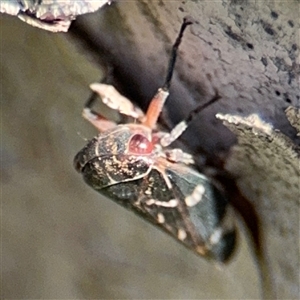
x=113, y=99
x=101, y=123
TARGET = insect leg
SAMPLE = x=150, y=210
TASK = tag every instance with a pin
x=95, y=118
x=159, y=99
x=177, y=155
x=169, y=138
x=113, y=99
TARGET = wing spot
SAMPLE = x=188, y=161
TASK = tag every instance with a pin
x=181, y=234
x=196, y=196
x=160, y=218
x=216, y=236
x=171, y=203
x=201, y=250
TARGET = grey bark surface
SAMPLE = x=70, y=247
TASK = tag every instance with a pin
x=275, y=188
x=61, y=239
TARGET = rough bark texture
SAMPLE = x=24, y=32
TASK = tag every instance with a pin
x=62, y=240
x=274, y=160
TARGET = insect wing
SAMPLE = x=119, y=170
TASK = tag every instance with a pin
x=198, y=224
x=206, y=210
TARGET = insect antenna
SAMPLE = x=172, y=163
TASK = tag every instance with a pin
x=186, y=21
x=157, y=103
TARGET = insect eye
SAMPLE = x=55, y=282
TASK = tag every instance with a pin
x=139, y=144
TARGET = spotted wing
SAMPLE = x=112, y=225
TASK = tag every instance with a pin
x=192, y=210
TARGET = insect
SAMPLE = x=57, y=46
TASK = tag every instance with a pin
x=134, y=165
